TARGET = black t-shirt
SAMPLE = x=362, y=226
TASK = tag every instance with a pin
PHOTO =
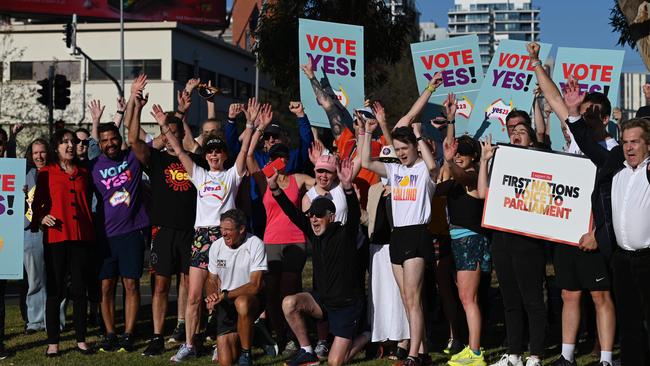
x=174, y=197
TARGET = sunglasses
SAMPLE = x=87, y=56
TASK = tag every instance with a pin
x=317, y=215
x=323, y=171
x=82, y=142
x=217, y=150
x=269, y=135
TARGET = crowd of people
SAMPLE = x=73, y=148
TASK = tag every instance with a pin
x=235, y=213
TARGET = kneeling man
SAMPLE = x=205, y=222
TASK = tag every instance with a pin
x=236, y=264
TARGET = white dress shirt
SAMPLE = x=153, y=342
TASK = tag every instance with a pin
x=631, y=207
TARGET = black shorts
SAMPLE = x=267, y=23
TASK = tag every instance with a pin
x=577, y=270
x=124, y=256
x=343, y=321
x=227, y=315
x=171, y=250
x=286, y=257
x=408, y=242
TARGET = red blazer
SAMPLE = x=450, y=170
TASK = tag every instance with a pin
x=67, y=198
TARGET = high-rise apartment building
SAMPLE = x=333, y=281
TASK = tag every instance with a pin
x=494, y=20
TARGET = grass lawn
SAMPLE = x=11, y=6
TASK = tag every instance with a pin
x=30, y=350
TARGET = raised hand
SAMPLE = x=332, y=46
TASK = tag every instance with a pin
x=436, y=80
x=371, y=124
x=533, y=51
x=297, y=108
x=344, y=172
x=450, y=106
x=315, y=151
x=96, y=110
x=158, y=114
x=138, y=84
x=646, y=92
x=572, y=96
x=234, y=110
x=252, y=110
x=450, y=148
x=307, y=69
x=417, y=129
x=379, y=112
x=121, y=104
x=265, y=116
x=487, y=149
x=141, y=99
x=191, y=84
x=16, y=128
x=184, y=100
x=272, y=181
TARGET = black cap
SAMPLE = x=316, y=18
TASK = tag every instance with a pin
x=273, y=129
x=643, y=112
x=279, y=150
x=320, y=206
x=215, y=144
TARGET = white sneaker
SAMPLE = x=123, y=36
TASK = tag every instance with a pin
x=509, y=360
x=533, y=361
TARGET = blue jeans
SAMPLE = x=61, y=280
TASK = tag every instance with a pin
x=36, y=279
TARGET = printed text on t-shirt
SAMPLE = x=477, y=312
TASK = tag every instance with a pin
x=115, y=176
x=177, y=178
x=405, y=187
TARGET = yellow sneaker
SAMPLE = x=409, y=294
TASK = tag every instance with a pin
x=467, y=357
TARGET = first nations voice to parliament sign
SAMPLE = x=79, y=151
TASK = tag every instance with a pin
x=540, y=194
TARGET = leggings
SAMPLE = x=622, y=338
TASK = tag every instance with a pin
x=520, y=265
x=61, y=259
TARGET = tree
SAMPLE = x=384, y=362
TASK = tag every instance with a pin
x=386, y=36
x=630, y=20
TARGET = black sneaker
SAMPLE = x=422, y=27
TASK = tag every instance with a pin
x=561, y=361
x=178, y=336
x=126, y=343
x=108, y=343
x=303, y=358
x=155, y=347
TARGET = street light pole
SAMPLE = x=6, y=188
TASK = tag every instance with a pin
x=122, y=55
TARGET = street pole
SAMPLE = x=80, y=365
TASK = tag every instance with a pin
x=122, y=55
x=50, y=105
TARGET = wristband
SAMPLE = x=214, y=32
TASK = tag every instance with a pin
x=536, y=63
x=451, y=122
x=120, y=112
x=250, y=125
x=430, y=88
x=260, y=130
x=181, y=113
x=418, y=139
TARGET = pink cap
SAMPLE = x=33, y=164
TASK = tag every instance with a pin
x=327, y=162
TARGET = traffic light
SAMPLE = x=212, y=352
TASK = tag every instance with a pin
x=45, y=92
x=70, y=32
x=61, y=92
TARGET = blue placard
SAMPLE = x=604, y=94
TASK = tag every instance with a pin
x=336, y=52
x=509, y=83
x=12, y=209
x=597, y=70
x=460, y=59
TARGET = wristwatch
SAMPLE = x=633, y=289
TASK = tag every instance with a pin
x=225, y=294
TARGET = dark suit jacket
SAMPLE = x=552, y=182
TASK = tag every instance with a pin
x=608, y=163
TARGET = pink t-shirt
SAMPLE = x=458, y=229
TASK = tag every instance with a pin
x=279, y=229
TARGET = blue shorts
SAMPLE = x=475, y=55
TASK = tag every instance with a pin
x=343, y=321
x=470, y=251
x=124, y=256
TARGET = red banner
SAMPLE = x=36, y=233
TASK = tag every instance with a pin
x=204, y=13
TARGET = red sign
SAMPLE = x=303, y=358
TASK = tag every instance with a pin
x=205, y=13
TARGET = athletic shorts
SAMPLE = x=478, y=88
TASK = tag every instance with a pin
x=227, y=315
x=203, y=239
x=286, y=257
x=408, y=242
x=170, y=251
x=123, y=256
x=343, y=321
x=471, y=250
x=579, y=270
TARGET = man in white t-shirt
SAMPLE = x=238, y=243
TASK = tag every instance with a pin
x=237, y=262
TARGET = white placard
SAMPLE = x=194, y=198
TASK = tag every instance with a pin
x=540, y=194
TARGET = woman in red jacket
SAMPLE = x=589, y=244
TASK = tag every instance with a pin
x=62, y=206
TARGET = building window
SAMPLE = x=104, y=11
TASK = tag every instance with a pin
x=37, y=70
x=227, y=85
x=132, y=68
x=207, y=75
x=244, y=90
x=182, y=71
x=21, y=70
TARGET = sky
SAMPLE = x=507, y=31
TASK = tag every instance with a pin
x=568, y=23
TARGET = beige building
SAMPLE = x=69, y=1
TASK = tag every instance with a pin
x=168, y=52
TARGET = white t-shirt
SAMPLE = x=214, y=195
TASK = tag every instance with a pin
x=215, y=194
x=337, y=196
x=573, y=148
x=412, y=190
x=234, y=266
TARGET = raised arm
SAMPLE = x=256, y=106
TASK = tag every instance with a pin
x=548, y=87
x=334, y=114
x=646, y=93
x=460, y=175
x=118, y=118
x=12, y=143
x=380, y=113
x=295, y=215
x=344, y=171
x=96, y=111
x=161, y=118
x=487, y=152
x=184, y=102
x=298, y=157
x=137, y=100
x=540, y=123
x=232, y=139
x=451, y=106
x=425, y=152
x=252, y=112
x=366, y=161
x=421, y=102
